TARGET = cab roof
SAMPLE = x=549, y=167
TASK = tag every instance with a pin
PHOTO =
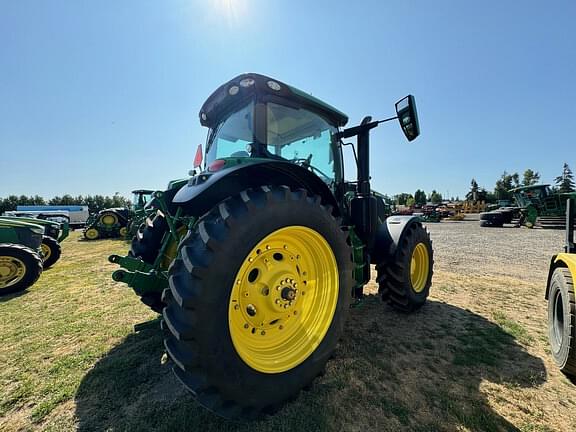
x=230, y=95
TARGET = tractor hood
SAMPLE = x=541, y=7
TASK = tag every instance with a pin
x=11, y=223
x=260, y=87
x=34, y=221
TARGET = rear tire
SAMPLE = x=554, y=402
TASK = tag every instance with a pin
x=562, y=320
x=404, y=283
x=53, y=249
x=209, y=349
x=20, y=267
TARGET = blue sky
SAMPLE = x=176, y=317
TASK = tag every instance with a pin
x=103, y=96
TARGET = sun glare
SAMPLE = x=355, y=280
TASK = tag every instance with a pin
x=232, y=10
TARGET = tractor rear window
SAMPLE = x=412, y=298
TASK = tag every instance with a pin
x=302, y=137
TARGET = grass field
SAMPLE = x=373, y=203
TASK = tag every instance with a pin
x=474, y=358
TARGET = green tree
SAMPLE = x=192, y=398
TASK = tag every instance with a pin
x=473, y=194
x=435, y=197
x=530, y=177
x=565, y=181
x=420, y=197
x=402, y=198
x=504, y=184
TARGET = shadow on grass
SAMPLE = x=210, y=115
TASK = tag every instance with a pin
x=420, y=372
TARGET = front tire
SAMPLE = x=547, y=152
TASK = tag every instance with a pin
x=257, y=273
x=404, y=281
x=20, y=267
x=561, y=320
x=51, y=251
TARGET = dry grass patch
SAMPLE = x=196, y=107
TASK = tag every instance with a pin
x=474, y=358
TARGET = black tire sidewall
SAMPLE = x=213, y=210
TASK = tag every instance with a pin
x=558, y=287
x=419, y=236
x=227, y=371
x=33, y=265
x=55, y=251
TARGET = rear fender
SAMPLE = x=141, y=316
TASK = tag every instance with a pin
x=561, y=260
x=205, y=190
x=389, y=235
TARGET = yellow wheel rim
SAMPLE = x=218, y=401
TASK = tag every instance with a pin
x=12, y=270
x=109, y=219
x=91, y=233
x=46, y=251
x=172, y=249
x=419, y=267
x=283, y=299
x=123, y=231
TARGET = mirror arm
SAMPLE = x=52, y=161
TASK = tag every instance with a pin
x=386, y=120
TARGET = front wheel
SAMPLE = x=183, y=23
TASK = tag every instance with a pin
x=20, y=267
x=405, y=279
x=258, y=297
x=561, y=319
x=51, y=251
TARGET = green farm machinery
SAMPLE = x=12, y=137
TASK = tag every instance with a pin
x=107, y=223
x=20, y=255
x=141, y=197
x=119, y=221
x=54, y=234
x=257, y=258
x=540, y=205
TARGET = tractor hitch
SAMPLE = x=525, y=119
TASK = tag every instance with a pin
x=138, y=275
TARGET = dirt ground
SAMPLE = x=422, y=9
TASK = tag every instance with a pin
x=475, y=358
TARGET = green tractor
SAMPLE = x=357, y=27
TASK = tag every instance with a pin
x=54, y=234
x=560, y=295
x=260, y=255
x=20, y=255
x=539, y=204
x=140, y=198
x=107, y=223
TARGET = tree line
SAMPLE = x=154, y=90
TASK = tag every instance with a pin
x=95, y=203
x=563, y=183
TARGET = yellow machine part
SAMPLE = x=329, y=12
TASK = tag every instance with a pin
x=569, y=260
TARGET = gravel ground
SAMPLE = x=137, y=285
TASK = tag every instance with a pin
x=522, y=253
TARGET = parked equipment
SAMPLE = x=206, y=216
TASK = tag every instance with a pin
x=54, y=234
x=20, y=256
x=107, y=223
x=78, y=214
x=138, y=214
x=541, y=206
x=273, y=246
x=497, y=218
x=560, y=295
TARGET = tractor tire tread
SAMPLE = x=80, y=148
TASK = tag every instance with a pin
x=192, y=296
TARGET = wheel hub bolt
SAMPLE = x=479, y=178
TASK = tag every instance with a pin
x=251, y=310
x=288, y=293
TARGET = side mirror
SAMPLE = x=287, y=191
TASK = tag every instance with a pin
x=198, y=157
x=408, y=117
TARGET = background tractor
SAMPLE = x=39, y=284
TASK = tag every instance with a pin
x=140, y=198
x=20, y=255
x=539, y=204
x=269, y=245
x=54, y=234
x=561, y=300
x=107, y=223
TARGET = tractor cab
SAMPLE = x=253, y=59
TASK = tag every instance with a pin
x=535, y=195
x=140, y=198
x=253, y=117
